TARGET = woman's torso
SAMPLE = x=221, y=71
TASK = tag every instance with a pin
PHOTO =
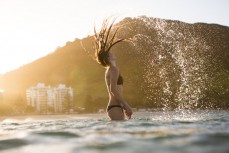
x=112, y=100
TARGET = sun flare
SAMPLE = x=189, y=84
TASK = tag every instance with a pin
x=32, y=29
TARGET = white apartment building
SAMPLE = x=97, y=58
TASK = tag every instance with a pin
x=47, y=99
x=63, y=97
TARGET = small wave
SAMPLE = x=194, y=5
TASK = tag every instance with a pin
x=12, y=143
x=58, y=134
x=16, y=121
x=212, y=139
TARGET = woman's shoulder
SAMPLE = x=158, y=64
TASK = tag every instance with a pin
x=113, y=69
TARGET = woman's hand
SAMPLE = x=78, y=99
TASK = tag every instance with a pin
x=128, y=111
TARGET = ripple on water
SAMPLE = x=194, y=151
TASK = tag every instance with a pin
x=12, y=143
x=62, y=134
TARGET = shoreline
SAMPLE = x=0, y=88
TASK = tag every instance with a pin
x=52, y=116
x=63, y=116
x=73, y=116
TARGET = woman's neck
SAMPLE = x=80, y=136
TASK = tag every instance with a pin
x=113, y=63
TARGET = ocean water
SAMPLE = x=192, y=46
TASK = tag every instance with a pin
x=157, y=131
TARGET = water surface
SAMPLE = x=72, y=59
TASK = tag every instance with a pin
x=157, y=131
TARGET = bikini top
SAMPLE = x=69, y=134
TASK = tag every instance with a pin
x=120, y=80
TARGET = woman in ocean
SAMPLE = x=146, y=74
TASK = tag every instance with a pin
x=117, y=108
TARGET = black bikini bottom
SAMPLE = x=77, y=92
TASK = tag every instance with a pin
x=111, y=106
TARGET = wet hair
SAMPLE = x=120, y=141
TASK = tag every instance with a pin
x=104, y=41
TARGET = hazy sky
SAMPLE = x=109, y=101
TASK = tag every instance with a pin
x=30, y=29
